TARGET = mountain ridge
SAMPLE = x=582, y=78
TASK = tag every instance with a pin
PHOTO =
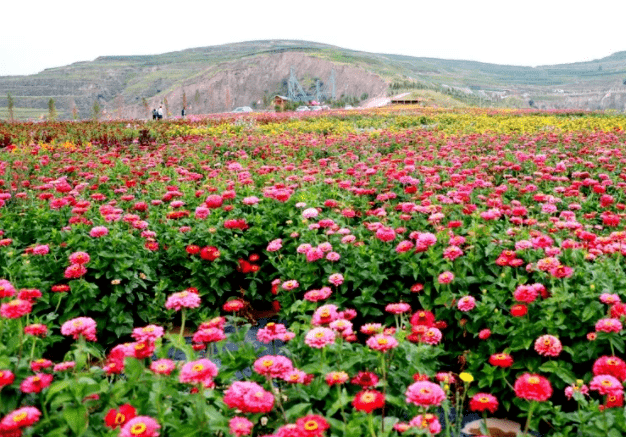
x=228, y=73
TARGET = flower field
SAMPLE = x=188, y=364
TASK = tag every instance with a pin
x=421, y=265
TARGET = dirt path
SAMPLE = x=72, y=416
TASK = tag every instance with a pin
x=377, y=102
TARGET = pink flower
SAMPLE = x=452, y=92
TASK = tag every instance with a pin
x=432, y=336
x=309, y=213
x=381, y=342
x=198, y=372
x=404, y=246
x=163, y=366
x=182, y=299
x=318, y=295
x=252, y=200
x=606, y=385
x=336, y=279
x=571, y=389
x=608, y=325
x=271, y=332
x=75, y=271
x=15, y=309
x=147, y=333
x=428, y=422
x=275, y=245
x=398, y=308
x=273, y=366
x=36, y=383
x=41, y=249
x=385, y=234
x=319, y=337
x=292, y=284
x=85, y=326
x=548, y=345
x=208, y=335
x=6, y=289
x=425, y=394
x=466, y=303
x=249, y=397
x=18, y=419
x=484, y=334
x=325, y=314
x=98, y=231
x=240, y=426
x=66, y=365
x=446, y=277
x=79, y=258
x=140, y=426
x=525, y=293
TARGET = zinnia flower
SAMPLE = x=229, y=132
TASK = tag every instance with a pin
x=381, y=342
x=606, y=385
x=613, y=366
x=484, y=402
x=140, y=426
x=198, y=372
x=319, y=337
x=85, y=326
x=312, y=426
x=533, y=387
x=20, y=418
x=368, y=400
x=425, y=394
x=183, y=299
x=548, y=345
x=116, y=418
x=240, y=426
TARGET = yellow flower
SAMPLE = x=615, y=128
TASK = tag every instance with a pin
x=466, y=377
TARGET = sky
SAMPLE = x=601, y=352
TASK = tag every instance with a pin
x=43, y=34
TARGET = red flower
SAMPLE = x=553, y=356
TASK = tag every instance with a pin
x=613, y=366
x=368, y=400
x=519, y=310
x=533, y=387
x=423, y=317
x=192, y=249
x=312, y=425
x=210, y=253
x=501, y=360
x=483, y=402
x=365, y=379
x=118, y=417
x=232, y=306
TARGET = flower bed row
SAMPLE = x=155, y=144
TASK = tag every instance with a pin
x=396, y=252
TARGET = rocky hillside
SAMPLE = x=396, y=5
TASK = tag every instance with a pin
x=220, y=78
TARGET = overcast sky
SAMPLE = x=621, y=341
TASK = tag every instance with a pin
x=41, y=34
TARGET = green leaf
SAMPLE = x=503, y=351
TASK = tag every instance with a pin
x=76, y=418
x=55, y=388
x=297, y=410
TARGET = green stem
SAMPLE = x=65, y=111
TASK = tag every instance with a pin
x=182, y=326
x=56, y=310
x=530, y=415
x=32, y=350
x=343, y=416
x=371, y=424
x=21, y=340
x=485, y=423
x=446, y=418
x=384, y=372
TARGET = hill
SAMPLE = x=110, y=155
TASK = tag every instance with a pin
x=219, y=78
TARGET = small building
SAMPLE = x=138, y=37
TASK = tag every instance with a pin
x=280, y=101
x=405, y=101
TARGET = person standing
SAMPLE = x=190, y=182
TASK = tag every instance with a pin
x=154, y=114
x=160, y=112
x=183, y=112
